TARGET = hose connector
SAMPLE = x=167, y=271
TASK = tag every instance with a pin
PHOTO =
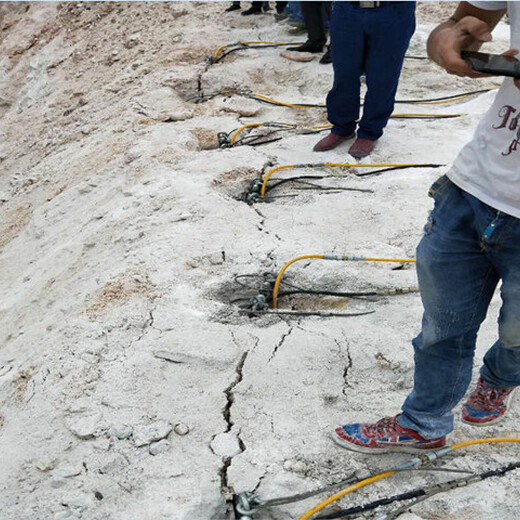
x=223, y=140
x=243, y=505
x=254, y=195
x=259, y=303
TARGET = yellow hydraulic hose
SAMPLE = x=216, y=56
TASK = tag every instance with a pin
x=490, y=440
x=287, y=126
x=238, y=131
x=257, y=43
x=343, y=258
x=344, y=492
x=449, y=100
x=283, y=104
x=322, y=105
x=328, y=165
x=219, y=50
x=381, y=476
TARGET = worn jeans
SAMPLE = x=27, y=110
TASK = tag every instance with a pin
x=371, y=42
x=467, y=248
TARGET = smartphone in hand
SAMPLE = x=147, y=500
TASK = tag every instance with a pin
x=492, y=63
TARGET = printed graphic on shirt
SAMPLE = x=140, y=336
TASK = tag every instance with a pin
x=510, y=119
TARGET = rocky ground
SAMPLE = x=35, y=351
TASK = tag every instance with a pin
x=130, y=387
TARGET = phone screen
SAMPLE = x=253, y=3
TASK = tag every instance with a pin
x=492, y=63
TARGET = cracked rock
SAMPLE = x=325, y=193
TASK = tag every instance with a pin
x=226, y=445
x=295, y=466
x=67, y=471
x=159, y=447
x=122, y=431
x=144, y=435
x=86, y=426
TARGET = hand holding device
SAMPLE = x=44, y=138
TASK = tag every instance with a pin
x=494, y=64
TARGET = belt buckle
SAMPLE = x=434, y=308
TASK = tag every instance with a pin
x=369, y=5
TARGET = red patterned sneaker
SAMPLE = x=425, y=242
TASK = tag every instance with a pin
x=486, y=405
x=384, y=436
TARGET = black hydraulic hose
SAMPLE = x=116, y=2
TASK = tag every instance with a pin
x=444, y=98
x=375, y=172
x=422, y=492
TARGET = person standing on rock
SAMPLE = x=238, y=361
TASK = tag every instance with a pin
x=470, y=243
x=370, y=38
x=315, y=15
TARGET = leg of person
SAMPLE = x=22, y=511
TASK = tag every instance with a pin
x=500, y=373
x=326, y=10
x=389, y=30
x=347, y=48
x=457, y=282
x=296, y=19
x=256, y=8
x=312, y=12
x=316, y=36
x=281, y=7
x=233, y=7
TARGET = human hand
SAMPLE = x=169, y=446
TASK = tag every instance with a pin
x=445, y=48
x=513, y=53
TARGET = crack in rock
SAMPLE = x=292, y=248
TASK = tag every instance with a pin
x=348, y=365
x=281, y=342
x=260, y=480
x=226, y=490
x=228, y=392
x=144, y=329
x=262, y=221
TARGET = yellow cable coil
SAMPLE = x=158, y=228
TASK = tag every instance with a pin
x=343, y=258
x=329, y=165
x=386, y=474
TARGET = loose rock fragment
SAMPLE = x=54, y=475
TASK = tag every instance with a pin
x=181, y=429
x=297, y=56
x=225, y=445
x=159, y=447
x=86, y=426
x=67, y=471
x=122, y=431
x=144, y=435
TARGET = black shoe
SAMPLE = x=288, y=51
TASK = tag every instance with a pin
x=250, y=11
x=232, y=7
x=307, y=47
x=326, y=58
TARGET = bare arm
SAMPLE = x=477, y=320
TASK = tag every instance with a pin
x=467, y=29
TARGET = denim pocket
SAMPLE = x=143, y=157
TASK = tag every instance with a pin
x=439, y=186
x=427, y=229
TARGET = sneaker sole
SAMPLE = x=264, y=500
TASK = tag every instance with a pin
x=390, y=449
x=498, y=419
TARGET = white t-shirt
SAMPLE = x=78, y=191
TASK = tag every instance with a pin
x=488, y=167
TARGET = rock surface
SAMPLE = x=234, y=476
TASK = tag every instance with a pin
x=123, y=228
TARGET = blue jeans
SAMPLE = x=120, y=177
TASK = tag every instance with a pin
x=374, y=42
x=467, y=248
x=295, y=12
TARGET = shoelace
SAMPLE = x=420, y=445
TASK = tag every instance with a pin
x=487, y=398
x=385, y=427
